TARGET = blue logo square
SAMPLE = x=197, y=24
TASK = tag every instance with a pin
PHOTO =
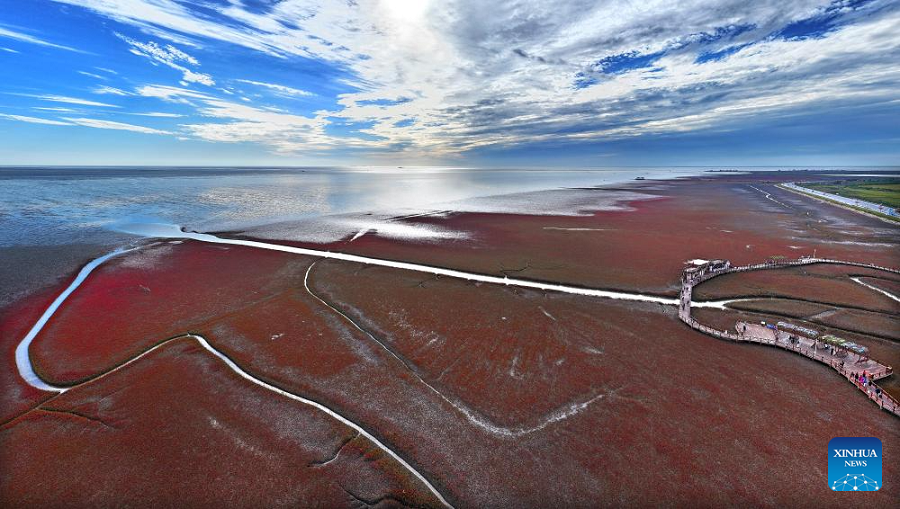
x=854, y=464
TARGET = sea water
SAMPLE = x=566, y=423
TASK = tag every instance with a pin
x=57, y=206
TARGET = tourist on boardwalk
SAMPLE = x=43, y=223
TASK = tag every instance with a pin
x=834, y=350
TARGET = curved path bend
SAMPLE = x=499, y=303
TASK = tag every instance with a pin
x=691, y=278
x=473, y=416
x=875, y=288
x=166, y=231
x=26, y=369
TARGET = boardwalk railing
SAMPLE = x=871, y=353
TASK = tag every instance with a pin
x=793, y=342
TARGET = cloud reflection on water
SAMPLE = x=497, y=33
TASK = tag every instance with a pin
x=72, y=209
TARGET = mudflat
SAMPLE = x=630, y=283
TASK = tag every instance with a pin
x=491, y=395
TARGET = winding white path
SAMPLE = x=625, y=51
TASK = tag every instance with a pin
x=471, y=415
x=23, y=360
x=173, y=231
x=879, y=290
x=247, y=376
x=768, y=196
x=157, y=230
x=26, y=368
x=722, y=304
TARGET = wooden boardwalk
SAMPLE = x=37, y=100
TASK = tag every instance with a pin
x=848, y=364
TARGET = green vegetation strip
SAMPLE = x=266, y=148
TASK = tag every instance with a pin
x=880, y=191
x=839, y=204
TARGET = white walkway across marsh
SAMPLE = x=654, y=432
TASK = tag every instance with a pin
x=174, y=232
x=26, y=368
x=166, y=231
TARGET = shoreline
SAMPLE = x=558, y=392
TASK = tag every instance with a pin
x=46, y=265
x=27, y=270
x=444, y=362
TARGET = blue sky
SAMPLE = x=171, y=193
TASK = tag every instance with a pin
x=455, y=82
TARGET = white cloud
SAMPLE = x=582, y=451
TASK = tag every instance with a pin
x=32, y=120
x=104, y=69
x=171, y=94
x=84, y=122
x=279, y=89
x=159, y=114
x=69, y=100
x=231, y=122
x=105, y=90
x=169, y=56
x=92, y=75
x=469, y=79
x=118, y=126
x=8, y=50
x=54, y=108
x=19, y=36
x=283, y=132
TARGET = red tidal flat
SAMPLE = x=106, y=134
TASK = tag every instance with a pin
x=180, y=429
x=513, y=357
x=844, y=307
x=674, y=394
x=695, y=416
x=891, y=286
x=829, y=286
x=15, y=321
x=136, y=300
x=644, y=249
x=499, y=396
x=886, y=351
x=877, y=324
